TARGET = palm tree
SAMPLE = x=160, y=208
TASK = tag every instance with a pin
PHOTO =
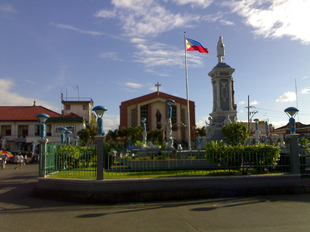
x=86, y=135
x=201, y=131
x=113, y=136
x=156, y=136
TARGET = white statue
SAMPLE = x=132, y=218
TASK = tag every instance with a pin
x=220, y=50
x=227, y=120
x=169, y=134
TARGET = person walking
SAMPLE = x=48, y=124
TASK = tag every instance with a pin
x=21, y=161
x=16, y=161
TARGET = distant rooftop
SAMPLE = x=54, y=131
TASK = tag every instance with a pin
x=77, y=99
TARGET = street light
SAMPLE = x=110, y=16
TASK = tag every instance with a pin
x=76, y=140
x=62, y=134
x=99, y=110
x=33, y=146
x=256, y=131
x=68, y=133
x=144, y=134
x=291, y=113
x=42, y=119
x=169, y=137
x=170, y=102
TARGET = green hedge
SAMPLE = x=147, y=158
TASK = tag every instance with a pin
x=257, y=156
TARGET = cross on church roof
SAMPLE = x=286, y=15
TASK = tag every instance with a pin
x=157, y=85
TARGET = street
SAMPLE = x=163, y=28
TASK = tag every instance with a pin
x=21, y=212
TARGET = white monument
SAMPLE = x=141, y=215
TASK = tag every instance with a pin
x=224, y=108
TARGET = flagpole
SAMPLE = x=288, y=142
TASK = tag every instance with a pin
x=187, y=95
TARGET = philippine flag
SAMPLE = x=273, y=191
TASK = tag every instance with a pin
x=193, y=45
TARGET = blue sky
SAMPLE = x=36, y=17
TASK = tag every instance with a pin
x=118, y=50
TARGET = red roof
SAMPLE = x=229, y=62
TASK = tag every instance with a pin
x=24, y=113
x=71, y=115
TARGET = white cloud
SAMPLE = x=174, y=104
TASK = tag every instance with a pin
x=110, y=122
x=278, y=124
x=202, y=122
x=63, y=26
x=225, y=22
x=305, y=91
x=275, y=18
x=133, y=85
x=159, y=54
x=194, y=3
x=254, y=103
x=287, y=97
x=242, y=103
x=6, y=8
x=109, y=55
x=150, y=18
x=304, y=77
x=10, y=98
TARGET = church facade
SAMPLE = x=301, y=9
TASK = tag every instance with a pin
x=153, y=107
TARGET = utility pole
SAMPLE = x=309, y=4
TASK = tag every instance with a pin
x=250, y=113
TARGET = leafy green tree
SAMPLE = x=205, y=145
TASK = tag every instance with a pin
x=236, y=133
x=156, y=136
x=113, y=136
x=303, y=141
x=86, y=135
x=201, y=131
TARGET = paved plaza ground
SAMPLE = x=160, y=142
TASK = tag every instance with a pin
x=21, y=212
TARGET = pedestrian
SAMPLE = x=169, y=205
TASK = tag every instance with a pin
x=16, y=161
x=3, y=163
x=21, y=161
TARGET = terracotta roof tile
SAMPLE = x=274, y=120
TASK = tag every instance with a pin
x=24, y=113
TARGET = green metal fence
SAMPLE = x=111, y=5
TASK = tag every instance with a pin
x=72, y=162
x=65, y=161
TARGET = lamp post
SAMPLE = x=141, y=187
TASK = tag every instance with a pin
x=169, y=137
x=76, y=140
x=42, y=166
x=68, y=133
x=33, y=146
x=42, y=119
x=291, y=113
x=256, y=132
x=99, y=110
x=62, y=134
x=144, y=134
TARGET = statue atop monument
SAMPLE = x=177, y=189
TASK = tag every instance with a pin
x=220, y=50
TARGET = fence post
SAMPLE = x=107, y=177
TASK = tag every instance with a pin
x=100, y=156
x=294, y=152
x=42, y=157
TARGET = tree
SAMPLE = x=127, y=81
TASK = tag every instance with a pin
x=201, y=131
x=156, y=136
x=236, y=133
x=113, y=135
x=86, y=135
x=303, y=141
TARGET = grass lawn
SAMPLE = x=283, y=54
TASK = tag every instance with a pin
x=123, y=174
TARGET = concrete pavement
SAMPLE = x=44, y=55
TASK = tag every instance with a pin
x=21, y=212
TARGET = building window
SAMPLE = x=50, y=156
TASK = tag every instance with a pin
x=6, y=130
x=48, y=130
x=22, y=131
x=37, y=130
x=183, y=122
x=85, y=107
x=133, y=118
x=67, y=107
x=174, y=118
x=144, y=113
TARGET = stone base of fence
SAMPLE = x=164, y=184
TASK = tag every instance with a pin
x=159, y=189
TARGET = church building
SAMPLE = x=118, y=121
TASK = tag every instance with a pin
x=153, y=107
